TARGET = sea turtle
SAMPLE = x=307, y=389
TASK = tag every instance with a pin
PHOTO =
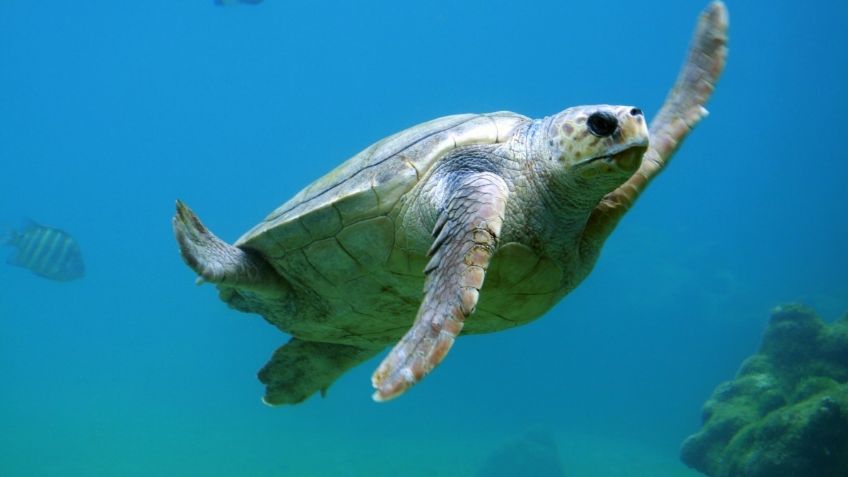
x=525, y=204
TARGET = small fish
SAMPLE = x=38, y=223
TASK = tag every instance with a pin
x=233, y=2
x=45, y=251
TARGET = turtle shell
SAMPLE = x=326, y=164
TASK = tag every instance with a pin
x=370, y=184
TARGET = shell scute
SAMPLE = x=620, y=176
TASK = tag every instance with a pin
x=331, y=261
x=322, y=223
x=372, y=182
x=370, y=241
x=355, y=208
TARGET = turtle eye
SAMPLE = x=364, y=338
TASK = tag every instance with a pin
x=602, y=124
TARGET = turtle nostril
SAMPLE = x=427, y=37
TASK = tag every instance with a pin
x=602, y=124
x=636, y=112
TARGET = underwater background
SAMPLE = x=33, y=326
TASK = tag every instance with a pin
x=109, y=111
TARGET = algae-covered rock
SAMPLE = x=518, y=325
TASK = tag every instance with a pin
x=534, y=454
x=786, y=413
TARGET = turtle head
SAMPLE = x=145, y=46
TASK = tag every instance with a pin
x=600, y=144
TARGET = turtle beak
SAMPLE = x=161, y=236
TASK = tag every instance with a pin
x=626, y=156
x=630, y=159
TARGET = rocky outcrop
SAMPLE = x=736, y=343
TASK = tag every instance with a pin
x=786, y=413
x=534, y=454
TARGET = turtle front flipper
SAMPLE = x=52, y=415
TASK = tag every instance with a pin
x=218, y=262
x=300, y=368
x=466, y=235
x=682, y=110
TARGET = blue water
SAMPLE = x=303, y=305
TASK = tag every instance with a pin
x=112, y=110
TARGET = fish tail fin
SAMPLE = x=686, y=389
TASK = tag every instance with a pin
x=8, y=236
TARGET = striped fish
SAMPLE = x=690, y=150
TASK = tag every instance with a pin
x=46, y=251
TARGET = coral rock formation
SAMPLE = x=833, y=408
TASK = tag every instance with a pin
x=534, y=454
x=786, y=413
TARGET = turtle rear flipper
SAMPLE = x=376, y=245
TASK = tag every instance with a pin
x=218, y=262
x=300, y=368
